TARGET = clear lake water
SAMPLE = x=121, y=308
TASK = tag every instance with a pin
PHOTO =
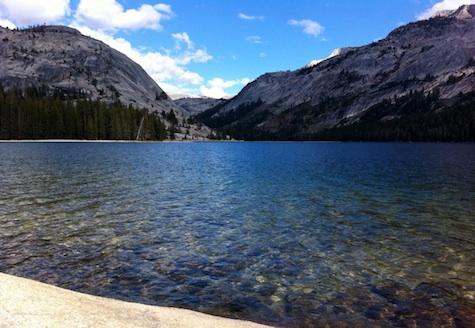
x=287, y=234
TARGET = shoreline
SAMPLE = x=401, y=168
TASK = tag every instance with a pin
x=74, y=141
x=28, y=303
x=108, y=141
x=224, y=141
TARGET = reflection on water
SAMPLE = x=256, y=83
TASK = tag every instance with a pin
x=291, y=234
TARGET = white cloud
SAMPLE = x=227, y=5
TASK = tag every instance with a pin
x=183, y=37
x=7, y=23
x=165, y=69
x=102, y=19
x=110, y=15
x=254, y=39
x=217, y=86
x=309, y=26
x=168, y=67
x=191, y=55
x=32, y=12
x=251, y=18
x=444, y=5
x=175, y=89
x=195, y=56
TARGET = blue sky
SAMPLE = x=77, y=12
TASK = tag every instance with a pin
x=215, y=47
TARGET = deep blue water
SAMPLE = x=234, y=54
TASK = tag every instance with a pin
x=291, y=234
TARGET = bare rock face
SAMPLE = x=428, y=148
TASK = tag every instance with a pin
x=197, y=105
x=62, y=59
x=429, y=56
x=463, y=12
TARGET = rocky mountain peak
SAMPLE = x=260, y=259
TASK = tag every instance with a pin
x=463, y=12
x=334, y=53
x=63, y=60
x=432, y=58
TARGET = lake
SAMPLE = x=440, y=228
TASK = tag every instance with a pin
x=289, y=234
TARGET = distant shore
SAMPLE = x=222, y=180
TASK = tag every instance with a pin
x=27, y=303
x=107, y=141
x=75, y=140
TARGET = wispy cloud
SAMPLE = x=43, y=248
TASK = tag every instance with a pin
x=195, y=56
x=249, y=17
x=162, y=67
x=443, y=5
x=309, y=26
x=168, y=67
x=254, y=39
x=182, y=37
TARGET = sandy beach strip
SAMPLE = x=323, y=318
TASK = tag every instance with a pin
x=27, y=303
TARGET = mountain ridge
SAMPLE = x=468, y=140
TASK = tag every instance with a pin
x=434, y=56
x=64, y=61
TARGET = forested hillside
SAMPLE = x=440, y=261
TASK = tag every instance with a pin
x=411, y=118
x=34, y=114
x=407, y=118
x=416, y=84
x=48, y=65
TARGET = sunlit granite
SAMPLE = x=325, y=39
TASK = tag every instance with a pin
x=27, y=303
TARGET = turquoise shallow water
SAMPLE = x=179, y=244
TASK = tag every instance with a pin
x=292, y=234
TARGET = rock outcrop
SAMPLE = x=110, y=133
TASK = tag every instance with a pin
x=428, y=57
x=198, y=105
x=27, y=303
x=63, y=60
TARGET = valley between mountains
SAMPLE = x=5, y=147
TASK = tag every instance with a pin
x=416, y=84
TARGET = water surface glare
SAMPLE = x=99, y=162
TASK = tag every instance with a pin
x=290, y=234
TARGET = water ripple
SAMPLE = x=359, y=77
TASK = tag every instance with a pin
x=297, y=234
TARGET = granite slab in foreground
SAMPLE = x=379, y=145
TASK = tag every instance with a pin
x=27, y=303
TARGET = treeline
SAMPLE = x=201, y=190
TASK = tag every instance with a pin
x=35, y=114
x=415, y=117
x=411, y=119
x=237, y=123
x=209, y=118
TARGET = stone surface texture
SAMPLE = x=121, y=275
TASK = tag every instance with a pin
x=26, y=303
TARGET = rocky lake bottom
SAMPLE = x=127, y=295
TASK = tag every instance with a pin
x=288, y=234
